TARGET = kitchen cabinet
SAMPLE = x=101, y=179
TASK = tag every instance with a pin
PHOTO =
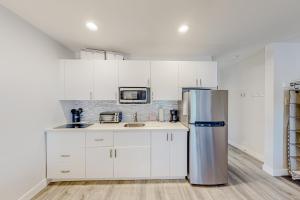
x=198, y=74
x=78, y=79
x=126, y=154
x=65, y=155
x=160, y=154
x=164, y=80
x=99, y=162
x=178, y=154
x=132, y=154
x=132, y=162
x=105, y=80
x=99, y=155
x=134, y=73
x=168, y=154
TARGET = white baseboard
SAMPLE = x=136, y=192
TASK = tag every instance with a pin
x=256, y=155
x=275, y=172
x=34, y=190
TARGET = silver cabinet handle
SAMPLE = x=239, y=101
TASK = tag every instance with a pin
x=65, y=156
x=65, y=171
x=110, y=153
x=167, y=136
x=196, y=82
x=200, y=82
x=171, y=136
x=98, y=139
x=115, y=153
x=91, y=95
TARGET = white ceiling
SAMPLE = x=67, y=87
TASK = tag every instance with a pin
x=148, y=28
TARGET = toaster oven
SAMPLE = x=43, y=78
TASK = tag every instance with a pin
x=110, y=117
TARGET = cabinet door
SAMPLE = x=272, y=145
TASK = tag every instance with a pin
x=160, y=154
x=164, y=80
x=105, y=80
x=134, y=73
x=99, y=162
x=178, y=154
x=78, y=79
x=208, y=74
x=188, y=74
x=132, y=162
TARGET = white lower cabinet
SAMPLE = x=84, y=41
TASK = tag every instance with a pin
x=132, y=162
x=168, y=154
x=116, y=155
x=99, y=162
x=66, y=155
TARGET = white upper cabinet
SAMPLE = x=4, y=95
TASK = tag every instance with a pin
x=188, y=74
x=198, y=74
x=78, y=79
x=105, y=80
x=134, y=73
x=164, y=80
x=208, y=74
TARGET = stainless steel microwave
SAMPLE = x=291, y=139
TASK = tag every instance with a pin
x=134, y=95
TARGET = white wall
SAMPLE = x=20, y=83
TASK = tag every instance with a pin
x=28, y=87
x=246, y=114
x=282, y=67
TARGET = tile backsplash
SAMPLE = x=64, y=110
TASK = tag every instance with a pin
x=92, y=109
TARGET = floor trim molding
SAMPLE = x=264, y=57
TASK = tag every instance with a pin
x=275, y=172
x=248, y=151
x=34, y=190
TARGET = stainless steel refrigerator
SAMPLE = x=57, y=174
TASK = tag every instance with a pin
x=205, y=113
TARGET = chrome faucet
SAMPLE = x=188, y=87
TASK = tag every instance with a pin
x=135, y=117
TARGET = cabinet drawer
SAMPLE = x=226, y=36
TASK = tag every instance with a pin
x=132, y=138
x=66, y=155
x=66, y=170
x=99, y=139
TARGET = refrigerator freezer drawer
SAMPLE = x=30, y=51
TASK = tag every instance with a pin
x=208, y=155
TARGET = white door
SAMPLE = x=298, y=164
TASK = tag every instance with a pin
x=208, y=74
x=134, y=73
x=132, y=162
x=78, y=79
x=164, y=80
x=188, y=74
x=160, y=154
x=105, y=80
x=178, y=154
x=99, y=162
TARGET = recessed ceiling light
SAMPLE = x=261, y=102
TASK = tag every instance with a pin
x=183, y=28
x=91, y=26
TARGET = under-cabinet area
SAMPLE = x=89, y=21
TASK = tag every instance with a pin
x=124, y=154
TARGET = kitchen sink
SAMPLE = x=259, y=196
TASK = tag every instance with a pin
x=134, y=125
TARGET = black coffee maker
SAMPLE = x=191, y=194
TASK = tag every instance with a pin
x=76, y=115
x=174, y=116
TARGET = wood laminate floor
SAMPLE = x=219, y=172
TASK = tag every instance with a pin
x=246, y=181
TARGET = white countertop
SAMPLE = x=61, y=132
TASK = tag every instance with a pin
x=120, y=127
